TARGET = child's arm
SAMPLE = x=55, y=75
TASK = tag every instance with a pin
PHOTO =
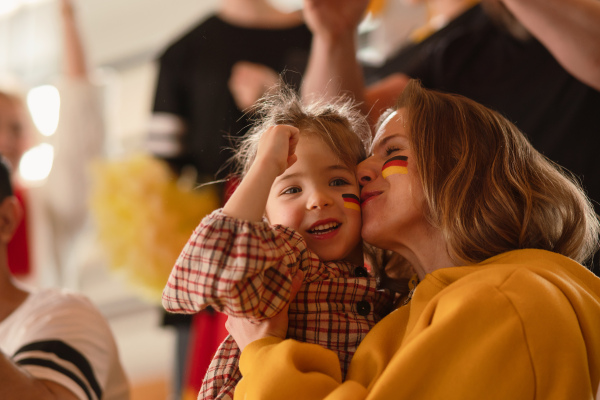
x=234, y=261
x=275, y=154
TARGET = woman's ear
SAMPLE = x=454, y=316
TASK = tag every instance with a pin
x=11, y=213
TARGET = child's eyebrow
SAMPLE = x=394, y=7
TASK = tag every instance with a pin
x=338, y=167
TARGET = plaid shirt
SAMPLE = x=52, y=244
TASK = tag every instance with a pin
x=245, y=269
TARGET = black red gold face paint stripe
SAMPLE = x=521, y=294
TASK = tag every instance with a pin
x=351, y=201
x=395, y=165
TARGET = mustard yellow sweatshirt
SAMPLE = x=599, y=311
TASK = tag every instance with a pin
x=521, y=325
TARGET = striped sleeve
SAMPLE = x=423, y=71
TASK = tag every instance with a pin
x=57, y=356
x=60, y=336
x=238, y=267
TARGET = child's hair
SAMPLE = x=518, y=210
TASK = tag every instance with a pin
x=486, y=187
x=339, y=123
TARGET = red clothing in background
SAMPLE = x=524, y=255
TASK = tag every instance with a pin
x=18, y=248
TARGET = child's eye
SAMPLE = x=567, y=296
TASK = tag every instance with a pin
x=292, y=190
x=391, y=149
x=339, y=182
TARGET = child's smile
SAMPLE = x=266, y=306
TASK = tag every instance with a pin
x=309, y=197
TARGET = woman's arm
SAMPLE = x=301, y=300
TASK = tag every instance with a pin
x=486, y=342
x=569, y=29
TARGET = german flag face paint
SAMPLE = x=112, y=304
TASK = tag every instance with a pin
x=395, y=165
x=351, y=201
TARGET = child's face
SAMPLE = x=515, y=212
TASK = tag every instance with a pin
x=308, y=197
x=12, y=137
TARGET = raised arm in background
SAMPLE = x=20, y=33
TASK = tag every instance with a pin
x=74, y=64
x=333, y=66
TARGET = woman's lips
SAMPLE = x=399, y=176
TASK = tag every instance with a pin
x=367, y=196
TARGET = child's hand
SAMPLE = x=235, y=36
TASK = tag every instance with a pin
x=276, y=149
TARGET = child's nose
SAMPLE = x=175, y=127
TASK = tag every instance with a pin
x=319, y=199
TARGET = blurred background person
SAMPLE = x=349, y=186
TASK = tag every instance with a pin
x=44, y=249
x=54, y=344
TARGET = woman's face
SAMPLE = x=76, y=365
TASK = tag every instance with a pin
x=392, y=193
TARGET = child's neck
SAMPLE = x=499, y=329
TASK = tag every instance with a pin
x=356, y=256
x=256, y=14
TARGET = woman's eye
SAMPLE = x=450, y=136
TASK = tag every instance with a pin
x=339, y=182
x=292, y=190
x=390, y=150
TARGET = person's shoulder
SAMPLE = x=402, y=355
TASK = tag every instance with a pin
x=533, y=274
x=192, y=37
x=57, y=296
x=66, y=304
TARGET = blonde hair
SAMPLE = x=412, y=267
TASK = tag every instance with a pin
x=487, y=188
x=338, y=123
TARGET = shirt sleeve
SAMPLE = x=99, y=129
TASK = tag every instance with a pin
x=67, y=341
x=170, y=113
x=78, y=140
x=241, y=268
x=301, y=371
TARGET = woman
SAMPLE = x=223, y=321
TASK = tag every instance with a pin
x=496, y=233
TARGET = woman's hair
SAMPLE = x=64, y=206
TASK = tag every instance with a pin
x=338, y=123
x=487, y=188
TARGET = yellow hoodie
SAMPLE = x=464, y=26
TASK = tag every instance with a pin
x=521, y=325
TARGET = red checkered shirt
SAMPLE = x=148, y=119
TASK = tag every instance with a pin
x=245, y=269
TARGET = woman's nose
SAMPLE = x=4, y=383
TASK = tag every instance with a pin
x=366, y=171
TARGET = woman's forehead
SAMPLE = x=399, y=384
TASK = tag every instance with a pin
x=383, y=131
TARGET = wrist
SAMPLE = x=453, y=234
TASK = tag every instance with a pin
x=267, y=169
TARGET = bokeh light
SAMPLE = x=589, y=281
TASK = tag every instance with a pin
x=36, y=163
x=44, y=106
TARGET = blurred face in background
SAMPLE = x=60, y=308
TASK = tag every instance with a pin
x=13, y=137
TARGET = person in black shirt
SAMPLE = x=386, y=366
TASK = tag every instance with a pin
x=476, y=56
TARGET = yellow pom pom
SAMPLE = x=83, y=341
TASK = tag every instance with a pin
x=144, y=219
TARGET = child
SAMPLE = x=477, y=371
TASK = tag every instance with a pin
x=296, y=208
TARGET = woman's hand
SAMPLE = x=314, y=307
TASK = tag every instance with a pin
x=245, y=331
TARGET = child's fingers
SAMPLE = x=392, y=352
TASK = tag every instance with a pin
x=293, y=142
x=291, y=160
